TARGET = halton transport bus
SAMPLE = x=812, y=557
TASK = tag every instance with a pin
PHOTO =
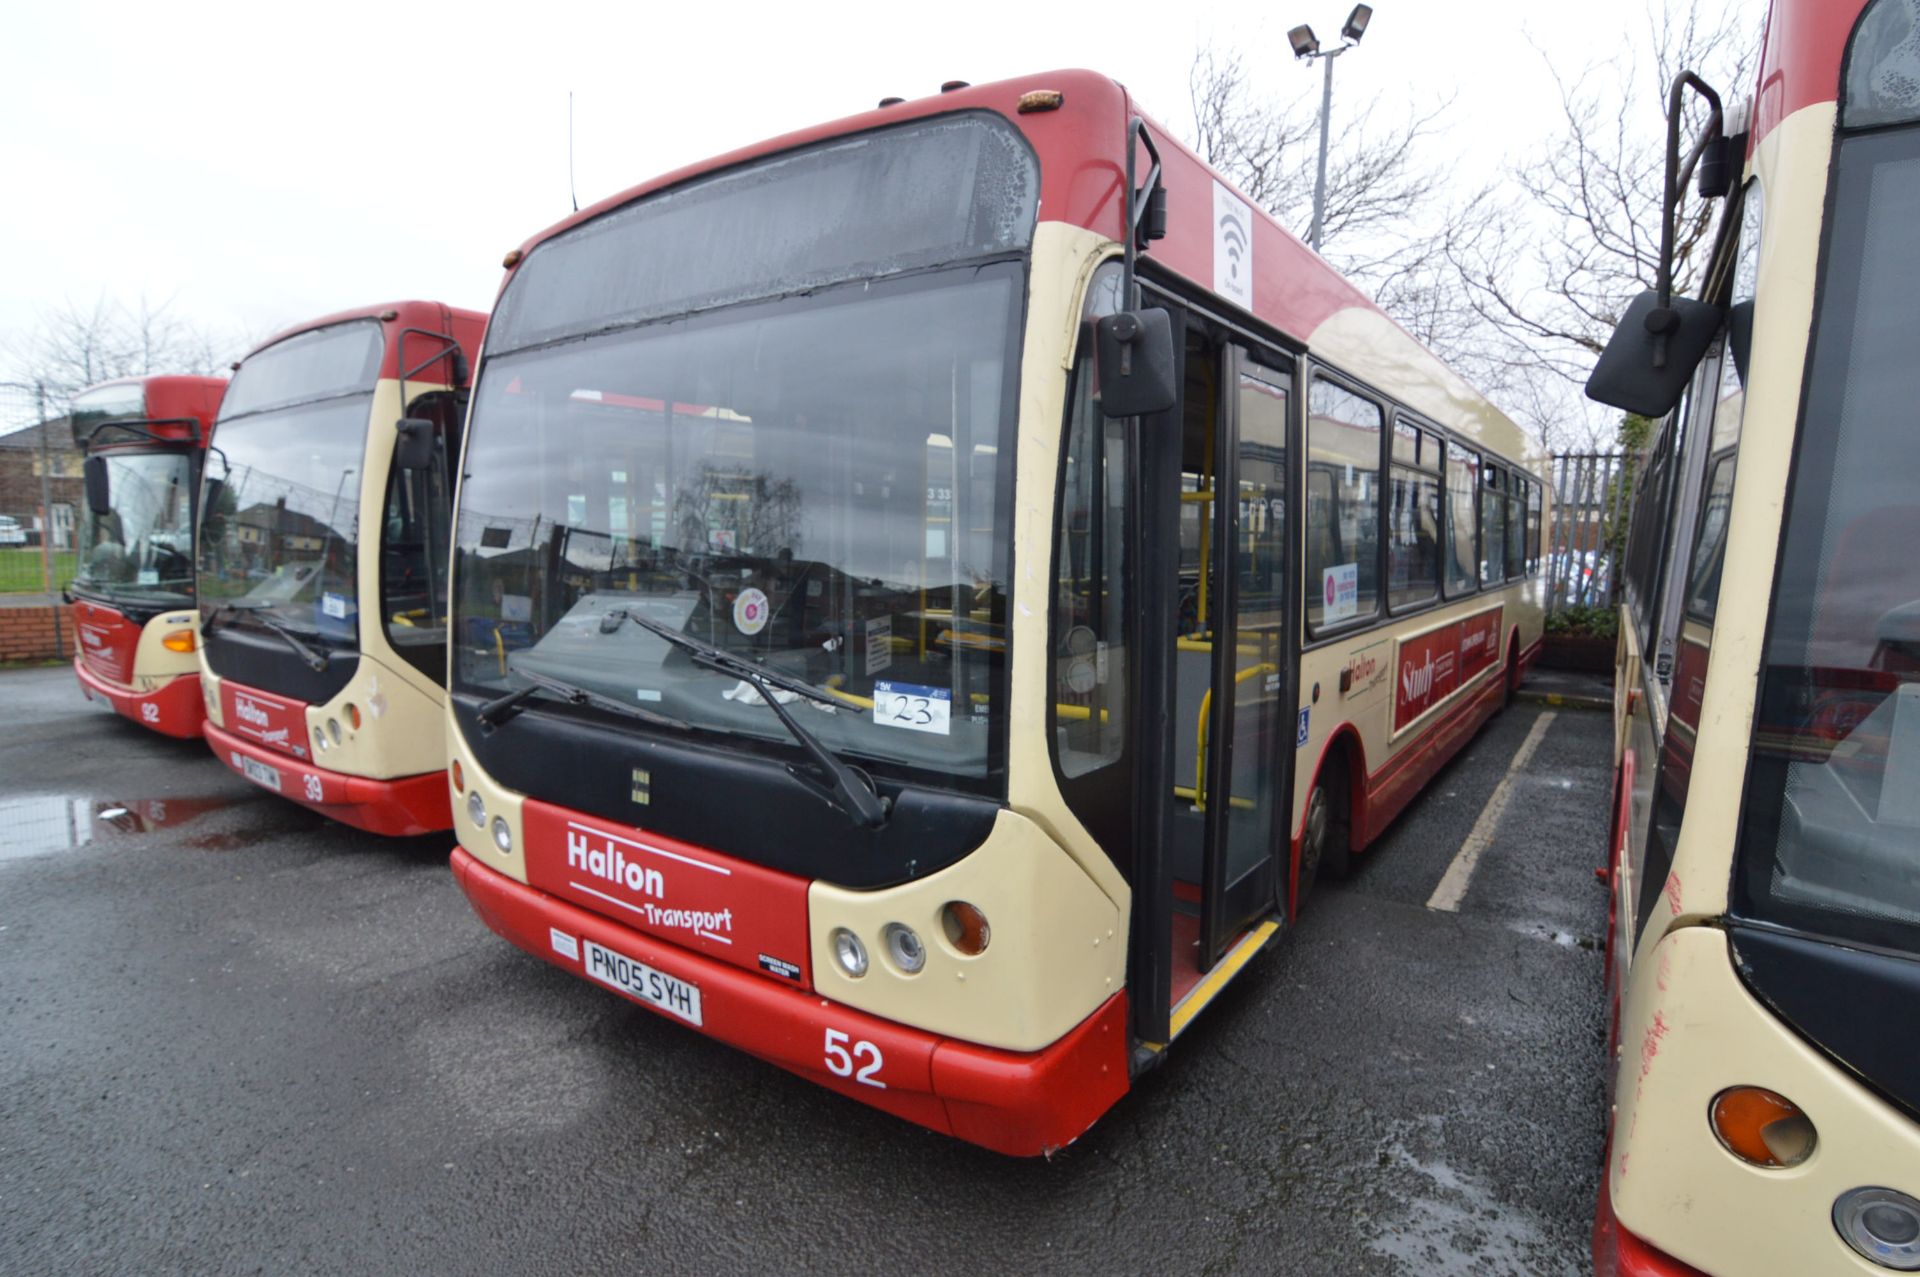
x=1765, y=856
x=134, y=620
x=323, y=561
x=854, y=657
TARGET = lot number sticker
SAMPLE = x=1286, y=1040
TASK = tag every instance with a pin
x=913, y=707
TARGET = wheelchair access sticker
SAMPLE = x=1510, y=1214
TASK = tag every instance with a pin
x=1306, y=717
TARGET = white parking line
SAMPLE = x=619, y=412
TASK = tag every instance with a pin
x=1453, y=886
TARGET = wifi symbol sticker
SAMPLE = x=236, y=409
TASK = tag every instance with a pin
x=1232, y=247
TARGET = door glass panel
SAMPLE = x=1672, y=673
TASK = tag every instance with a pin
x=1259, y=557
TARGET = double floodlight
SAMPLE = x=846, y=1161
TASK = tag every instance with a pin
x=1306, y=45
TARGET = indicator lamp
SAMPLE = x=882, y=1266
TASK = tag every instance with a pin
x=459, y=778
x=965, y=927
x=1762, y=1127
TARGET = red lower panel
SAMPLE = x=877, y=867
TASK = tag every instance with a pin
x=721, y=906
x=1396, y=784
x=1617, y=1252
x=395, y=808
x=1016, y=1103
x=175, y=709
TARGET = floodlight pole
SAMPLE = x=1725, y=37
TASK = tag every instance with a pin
x=1326, y=115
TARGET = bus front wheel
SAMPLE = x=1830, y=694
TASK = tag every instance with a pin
x=1323, y=838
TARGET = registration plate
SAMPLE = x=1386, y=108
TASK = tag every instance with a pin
x=637, y=979
x=259, y=773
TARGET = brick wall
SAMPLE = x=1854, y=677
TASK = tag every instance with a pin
x=26, y=632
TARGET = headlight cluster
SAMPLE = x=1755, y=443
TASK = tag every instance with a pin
x=962, y=925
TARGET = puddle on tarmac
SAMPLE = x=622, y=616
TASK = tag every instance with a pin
x=46, y=824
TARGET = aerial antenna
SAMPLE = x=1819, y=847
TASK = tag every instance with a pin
x=572, y=189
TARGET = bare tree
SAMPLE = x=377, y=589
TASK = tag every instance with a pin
x=72, y=345
x=1377, y=185
x=1549, y=255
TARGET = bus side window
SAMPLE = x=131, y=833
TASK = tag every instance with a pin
x=1343, y=529
x=1493, y=525
x=1413, y=518
x=413, y=552
x=1533, y=526
x=1463, y=489
x=1516, y=526
x=1089, y=632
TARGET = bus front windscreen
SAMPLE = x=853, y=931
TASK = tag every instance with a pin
x=141, y=550
x=816, y=484
x=281, y=492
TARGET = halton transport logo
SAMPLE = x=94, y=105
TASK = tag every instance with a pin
x=250, y=711
x=610, y=864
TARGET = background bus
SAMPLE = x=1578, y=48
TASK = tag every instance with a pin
x=1765, y=856
x=135, y=625
x=322, y=565
x=793, y=700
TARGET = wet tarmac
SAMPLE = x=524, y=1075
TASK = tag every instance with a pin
x=235, y=1037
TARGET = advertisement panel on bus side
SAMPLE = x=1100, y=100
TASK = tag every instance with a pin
x=1430, y=667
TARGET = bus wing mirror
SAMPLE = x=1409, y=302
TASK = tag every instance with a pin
x=1134, y=350
x=1652, y=354
x=99, y=495
x=1740, y=336
x=413, y=450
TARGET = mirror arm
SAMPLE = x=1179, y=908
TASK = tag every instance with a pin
x=1662, y=321
x=1139, y=203
x=141, y=428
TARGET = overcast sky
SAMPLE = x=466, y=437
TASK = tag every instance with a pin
x=262, y=164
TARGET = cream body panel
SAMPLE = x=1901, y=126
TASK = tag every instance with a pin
x=1058, y=947
x=1373, y=348
x=1801, y=145
x=154, y=664
x=210, y=691
x=399, y=734
x=500, y=801
x=1064, y=258
x=1696, y=1031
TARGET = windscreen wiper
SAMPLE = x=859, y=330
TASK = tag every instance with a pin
x=502, y=708
x=314, y=660
x=853, y=793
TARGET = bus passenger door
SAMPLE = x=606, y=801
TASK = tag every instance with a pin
x=1243, y=780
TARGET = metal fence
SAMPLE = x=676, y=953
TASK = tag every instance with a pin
x=1590, y=491
x=36, y=529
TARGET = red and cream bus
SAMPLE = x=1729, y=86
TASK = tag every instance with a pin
x=1765, y=855
x=135, y=626
x=850, y=640
x=323, y=559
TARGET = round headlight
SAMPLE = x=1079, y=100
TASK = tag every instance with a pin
x=477, y=810
x=333, y=729
x=502, y=836
x=904, y=947
x=1883, y=1224
x=849, y=952
x=320, y=740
